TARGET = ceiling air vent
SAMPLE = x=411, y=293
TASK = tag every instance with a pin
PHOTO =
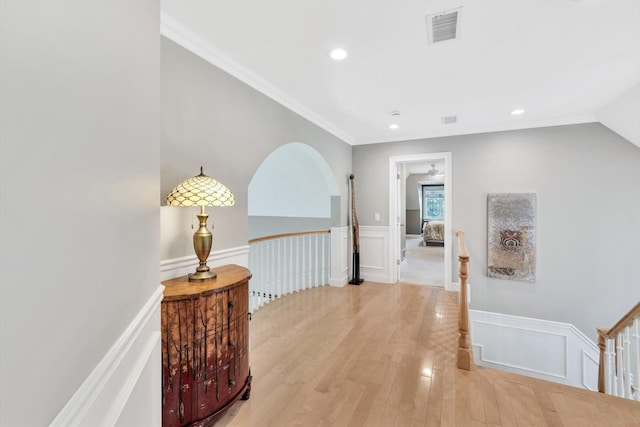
x=444, y=26
x=448, y=120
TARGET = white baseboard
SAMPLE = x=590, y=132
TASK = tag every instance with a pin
x=543, y=349
x=123, y=374
x=339, y=282
x=176, y=267
x=453, y=287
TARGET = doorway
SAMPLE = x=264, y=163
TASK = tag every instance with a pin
x=414, y=256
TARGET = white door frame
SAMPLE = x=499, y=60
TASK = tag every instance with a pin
x=394, y=214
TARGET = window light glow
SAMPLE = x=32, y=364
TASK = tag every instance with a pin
x=393, y=126
x=517, y=111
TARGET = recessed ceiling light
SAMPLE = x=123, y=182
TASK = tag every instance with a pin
x=338, y=54
x=395, y=116
x=517, y=111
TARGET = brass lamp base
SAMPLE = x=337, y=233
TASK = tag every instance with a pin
x=202, y=276
x=202, y=240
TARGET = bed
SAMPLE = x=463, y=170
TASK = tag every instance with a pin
x=433, y=233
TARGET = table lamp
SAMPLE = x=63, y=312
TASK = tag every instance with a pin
x=201, y=191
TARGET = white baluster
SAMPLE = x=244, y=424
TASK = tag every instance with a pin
x=635, y=359
x=257, y=264
x=268, y=267
x=255, y=249
x=303, y=262
x=297, y=276
x=283, y=255
x=319, y=256
x=626, y=362
x=251, y=268
x=328, y=263
x=309, y=263
x=314, y=277
x=273, y=288
x=312, y=271
x=609, y=373
x=283, y=263
x=279, y=287
x=254, y=279
x=285, y=271
x=292, y=276
x=619, y=366
x=262, y=276
x=324, y=270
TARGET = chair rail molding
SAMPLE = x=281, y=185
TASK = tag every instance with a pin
x=127, y=375
x=176, y=267
x=544, y=349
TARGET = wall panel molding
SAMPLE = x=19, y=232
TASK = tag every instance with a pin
x=543, y=349
x=374, y=253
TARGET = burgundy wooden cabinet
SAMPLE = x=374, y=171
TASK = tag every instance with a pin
x=205, y=347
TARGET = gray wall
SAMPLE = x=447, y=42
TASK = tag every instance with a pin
x=212, y=119
x=79, y=187
x=586, y=251
x=413, y=203
x=413, y=200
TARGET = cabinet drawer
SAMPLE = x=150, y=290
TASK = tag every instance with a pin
x=227, y=343
x=211, y=394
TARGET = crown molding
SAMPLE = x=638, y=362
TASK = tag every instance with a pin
x=178, y=33
x=532, y=124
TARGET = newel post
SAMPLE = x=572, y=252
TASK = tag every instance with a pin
x=602, y=346
x=464, y=352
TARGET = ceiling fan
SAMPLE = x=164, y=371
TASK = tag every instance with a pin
x=434, y=171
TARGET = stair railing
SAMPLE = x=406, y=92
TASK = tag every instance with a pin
x=464, y=341
x=286, y=263
x=619, y=368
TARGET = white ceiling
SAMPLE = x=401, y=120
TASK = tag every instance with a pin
x=418, y=168
x=560, y=60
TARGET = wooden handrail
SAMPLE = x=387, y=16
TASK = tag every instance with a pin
x=612, y=333
x=625, y=321
x=464, y=348
x=280, y=236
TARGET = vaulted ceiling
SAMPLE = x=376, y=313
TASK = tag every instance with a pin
x=561, y=61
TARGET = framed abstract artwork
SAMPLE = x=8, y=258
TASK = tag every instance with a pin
x=511, y=235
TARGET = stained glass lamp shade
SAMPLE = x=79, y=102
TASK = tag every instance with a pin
x=201, y=191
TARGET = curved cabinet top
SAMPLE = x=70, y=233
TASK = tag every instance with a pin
x=228, y=275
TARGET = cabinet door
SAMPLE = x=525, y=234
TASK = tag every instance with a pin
x=178, y=344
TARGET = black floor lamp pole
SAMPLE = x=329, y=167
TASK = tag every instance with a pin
x=356, y=237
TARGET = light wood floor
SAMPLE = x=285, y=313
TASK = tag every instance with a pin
x=383, y=355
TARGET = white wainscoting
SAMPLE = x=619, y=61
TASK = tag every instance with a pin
x=125, y=387
x=543, y=349
x=340, y=254
x=176, y=267
x=374, y=254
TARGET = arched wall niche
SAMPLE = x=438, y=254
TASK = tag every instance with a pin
x=292, y=190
